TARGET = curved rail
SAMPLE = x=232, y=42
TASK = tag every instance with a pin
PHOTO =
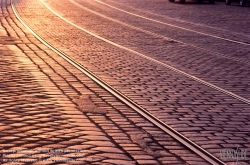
x=161, y=36
x=229, y=93
x=167, y=129
x=168, y=24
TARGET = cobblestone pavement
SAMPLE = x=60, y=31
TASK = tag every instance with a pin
x=189, y=107
x=208, y=117
x=52, y=114
x=228, y=74
x=217, y=19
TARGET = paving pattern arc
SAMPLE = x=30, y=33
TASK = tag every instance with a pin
x=51, y=113
x=186, y=105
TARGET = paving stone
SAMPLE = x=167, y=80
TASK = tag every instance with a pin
x=189, y=107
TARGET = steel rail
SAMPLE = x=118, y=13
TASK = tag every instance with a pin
x=167, y=129
x=168, y=24
x=175, y=19
x=161, y=36
x=229, y=93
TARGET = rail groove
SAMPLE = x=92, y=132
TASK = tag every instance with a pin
x=162, y=36
x=229, y=93
x=168, y=24
x=182, y=139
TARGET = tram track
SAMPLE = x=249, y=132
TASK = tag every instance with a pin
x=172, y=25
x=170, y=18
x=201, y=81
x=194, y=60
x=167, y=129
x=174, y=19
x=161, y=36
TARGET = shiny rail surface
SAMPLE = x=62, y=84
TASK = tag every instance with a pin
x=167, y=129
x=227, y=92
x=175, y=26
x=162, y=36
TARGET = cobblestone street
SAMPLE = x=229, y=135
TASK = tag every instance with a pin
x=124, y=82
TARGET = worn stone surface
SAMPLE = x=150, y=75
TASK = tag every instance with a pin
x=199, y=112
x=52, y=113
